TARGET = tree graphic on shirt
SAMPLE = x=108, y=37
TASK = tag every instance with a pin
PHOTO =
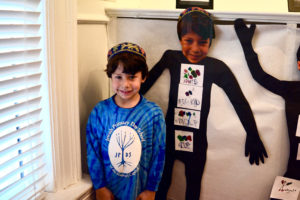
x=124, y=142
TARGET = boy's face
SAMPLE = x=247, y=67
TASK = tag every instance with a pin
x=194, y=48
x=126, y=87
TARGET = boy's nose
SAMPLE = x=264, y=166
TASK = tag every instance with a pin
x=195, y=47
x=126, y=83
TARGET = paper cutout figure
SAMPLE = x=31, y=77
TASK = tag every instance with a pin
x=195, y=32
x=289, y=90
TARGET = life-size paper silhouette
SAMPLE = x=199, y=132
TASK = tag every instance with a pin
x=192, y=74
x=289, y=90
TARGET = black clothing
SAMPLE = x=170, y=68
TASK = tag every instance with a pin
x=289, y=90
x=215, y=71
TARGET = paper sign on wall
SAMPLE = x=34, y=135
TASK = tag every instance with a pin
x=185, y=117
x=184, y=141
x=189, y=97
x=285, y=188
x=192, y=74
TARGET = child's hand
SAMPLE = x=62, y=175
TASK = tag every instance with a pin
x=244, y=33
x=146, y=195
x=104, y=194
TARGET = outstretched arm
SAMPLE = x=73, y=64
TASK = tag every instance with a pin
x=154, y=74
x=254, y=147
x=245, y=36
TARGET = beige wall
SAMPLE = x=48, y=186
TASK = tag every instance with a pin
x=251, y=5
x=95, y=8
x=93, y=83
x=92, y=48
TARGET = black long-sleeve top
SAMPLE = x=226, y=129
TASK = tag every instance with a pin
x=215, y=72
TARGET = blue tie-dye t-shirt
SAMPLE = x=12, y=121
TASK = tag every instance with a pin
x=126, y=147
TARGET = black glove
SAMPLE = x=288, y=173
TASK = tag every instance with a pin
x=256, y=149
x=244, y=34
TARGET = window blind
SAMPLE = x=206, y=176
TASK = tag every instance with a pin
x=22, y=162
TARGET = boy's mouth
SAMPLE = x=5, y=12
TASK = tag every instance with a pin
x=195, y=56
x=125, y=92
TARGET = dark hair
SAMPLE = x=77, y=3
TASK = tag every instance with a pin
x=198, y=23
x=132, y=64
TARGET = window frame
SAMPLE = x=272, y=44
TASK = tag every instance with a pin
x=61, y=28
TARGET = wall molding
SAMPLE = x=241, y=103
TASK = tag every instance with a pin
x=218, y=15
x=92, y=19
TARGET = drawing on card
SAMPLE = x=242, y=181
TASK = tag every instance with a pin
x=192, y=74
x=186, y=117
x=184, y=141
x=285, y=188
x=189, y=97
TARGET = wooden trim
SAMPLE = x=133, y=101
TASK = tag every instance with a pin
x=294, y=5
x=92, y=19
x=63, y=93
x=217, y=15
x=203, y=4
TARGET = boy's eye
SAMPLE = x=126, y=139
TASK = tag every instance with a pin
x=118, y=77
x=131, y=77
x=189, y=41
x=202, y=42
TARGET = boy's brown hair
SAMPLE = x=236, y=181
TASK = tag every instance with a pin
x=132, y=64
x=132, y=56
x=196, y=20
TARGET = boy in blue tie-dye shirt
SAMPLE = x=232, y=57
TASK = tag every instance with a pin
x=126, y=133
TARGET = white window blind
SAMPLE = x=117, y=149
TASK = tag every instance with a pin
x=22, y=162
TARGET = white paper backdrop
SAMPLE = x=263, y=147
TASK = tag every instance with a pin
x=228, y=174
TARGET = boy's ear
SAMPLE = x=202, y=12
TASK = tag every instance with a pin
x=144, y=80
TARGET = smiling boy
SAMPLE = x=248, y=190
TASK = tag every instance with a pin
x=126, y=133
x=126, y=86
